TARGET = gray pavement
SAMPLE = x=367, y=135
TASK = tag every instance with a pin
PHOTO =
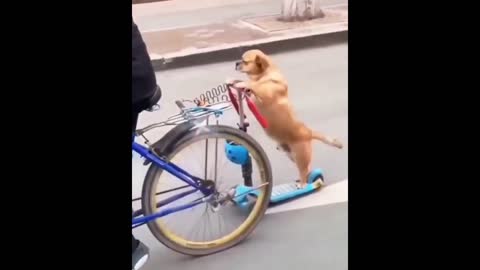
x=178, y=19
x=316, y=237
x=312, y=239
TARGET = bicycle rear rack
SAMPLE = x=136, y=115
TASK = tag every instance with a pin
x=188, y=114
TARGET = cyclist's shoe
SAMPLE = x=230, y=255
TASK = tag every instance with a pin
x=139, y=256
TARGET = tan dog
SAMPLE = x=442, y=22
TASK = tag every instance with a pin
x=270, y=90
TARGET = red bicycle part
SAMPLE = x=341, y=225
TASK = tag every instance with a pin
x=253, y=108
x=233, y=99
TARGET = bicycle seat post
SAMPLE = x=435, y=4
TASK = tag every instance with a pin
x=180, y=105
x=183, y=110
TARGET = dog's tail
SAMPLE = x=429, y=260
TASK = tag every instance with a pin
x=327, y=140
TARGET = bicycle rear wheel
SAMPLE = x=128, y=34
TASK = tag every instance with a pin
x=188, y=244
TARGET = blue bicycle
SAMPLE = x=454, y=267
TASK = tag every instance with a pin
x=205, y=198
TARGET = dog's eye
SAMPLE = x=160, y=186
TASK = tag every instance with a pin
x=244, y=62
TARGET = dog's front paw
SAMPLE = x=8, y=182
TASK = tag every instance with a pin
x=240, y=85
x=200, y=103
x=230, y=81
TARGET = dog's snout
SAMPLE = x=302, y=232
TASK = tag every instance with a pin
x=237, y=65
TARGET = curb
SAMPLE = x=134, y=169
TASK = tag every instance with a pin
x=234, y=51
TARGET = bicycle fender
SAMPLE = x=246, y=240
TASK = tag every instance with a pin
x=167, y=142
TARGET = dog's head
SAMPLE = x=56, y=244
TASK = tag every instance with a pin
x=253, y=62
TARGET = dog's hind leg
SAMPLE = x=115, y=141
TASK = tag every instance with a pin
x=302, y=152
x=286, y=149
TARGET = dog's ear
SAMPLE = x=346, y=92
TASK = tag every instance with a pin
x=262, y=63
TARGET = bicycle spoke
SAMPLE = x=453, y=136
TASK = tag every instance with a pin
x=206, y=156
x=216, y=160
x=185, y=213
x=204, y=225
x=209, y=225
x=227, y=224
x=195, y=226
x=220, y=175
x=197, y=170
x=163, y=192
x=219, y=222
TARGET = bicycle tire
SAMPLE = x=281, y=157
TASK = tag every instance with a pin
x=154, y=173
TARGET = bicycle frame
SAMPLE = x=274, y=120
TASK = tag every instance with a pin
x=178, y=172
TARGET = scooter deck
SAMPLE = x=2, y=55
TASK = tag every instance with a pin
x=290, y=191
x=280, y=193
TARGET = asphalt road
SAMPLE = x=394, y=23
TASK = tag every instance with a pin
x=315, y=237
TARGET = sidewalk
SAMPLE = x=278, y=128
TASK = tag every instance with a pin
x=220, y=28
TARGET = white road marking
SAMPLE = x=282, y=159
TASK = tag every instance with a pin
x=329, y=194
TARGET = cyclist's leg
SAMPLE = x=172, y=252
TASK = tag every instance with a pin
x=139, y=250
